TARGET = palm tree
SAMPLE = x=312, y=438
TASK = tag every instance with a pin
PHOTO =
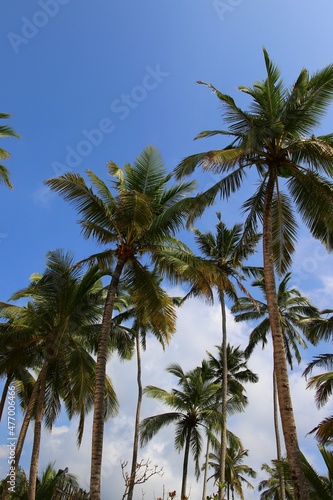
x=142, y=327
x=320, y=487
x=48, y=485
x=237, y=374
x=5, y=131
x=137, y=225
x=275, y=138
x=59, y=323
x=271, y=487
x=194, y=407
x=294, y=311
x=225, y=253
x=235, y=470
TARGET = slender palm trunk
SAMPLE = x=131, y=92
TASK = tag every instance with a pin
x=37, y=433
x=224, y=397
x=280, y=363
x=4, y=394
x=24, y=429
x=137, y=420
x=185, y=465
x=277, y=436
x=204, y=488
x=98, y=418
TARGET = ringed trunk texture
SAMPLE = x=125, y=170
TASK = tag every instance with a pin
x=137, y=421
x=224, y=398
x=37, y=434
x=185, y=465
x=280, y=363
x=99, y=393
x=277, y=436
x=24, y=429
x=204, y=488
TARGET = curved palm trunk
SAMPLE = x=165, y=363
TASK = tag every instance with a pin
x=137, y=421
x=98, y=418
x=204, y=488
x=277, y=436
x=4, y=394
x=37, y=434
x=280, y=363
x=185, y=466
x=224, y=398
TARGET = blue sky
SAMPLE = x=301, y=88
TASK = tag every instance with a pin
x=88, y=82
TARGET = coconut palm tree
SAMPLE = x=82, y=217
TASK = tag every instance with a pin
x=59, y=322
x=225, y=253
x=320, y=486
x=237, y=374
x=275, y=139
x=194, y=407
x=141, y=327
x=294, y=312
x=136, y=222
x=5, y=131
x=271, y=487
x=235, y=472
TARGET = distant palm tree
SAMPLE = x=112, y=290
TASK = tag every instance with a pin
x=141, y=327
x=235, y=472
x=5, y=131
x=194, y=407
x=294, y=311
x=320, y=487
x=271, y=487
x=275, y=140
x=225, y=254
x=136, y=223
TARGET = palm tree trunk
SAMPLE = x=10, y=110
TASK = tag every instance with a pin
x=224, y=388
x=185, y=466
x=204, y=488
x=37, y=433
x=137, y=420
x=24, y=430
x=98, y=418
x=4, y=394
x=277, y=436
x=280, y=363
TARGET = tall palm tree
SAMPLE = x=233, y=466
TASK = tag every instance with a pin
x=237, y=374
x=275, y=138
x=136, y=223
x=226, y=254
x=294, y=311
x=236, y=470
x=59, y=322
x=5, y=131
x=194, y=407
x=141, y=327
